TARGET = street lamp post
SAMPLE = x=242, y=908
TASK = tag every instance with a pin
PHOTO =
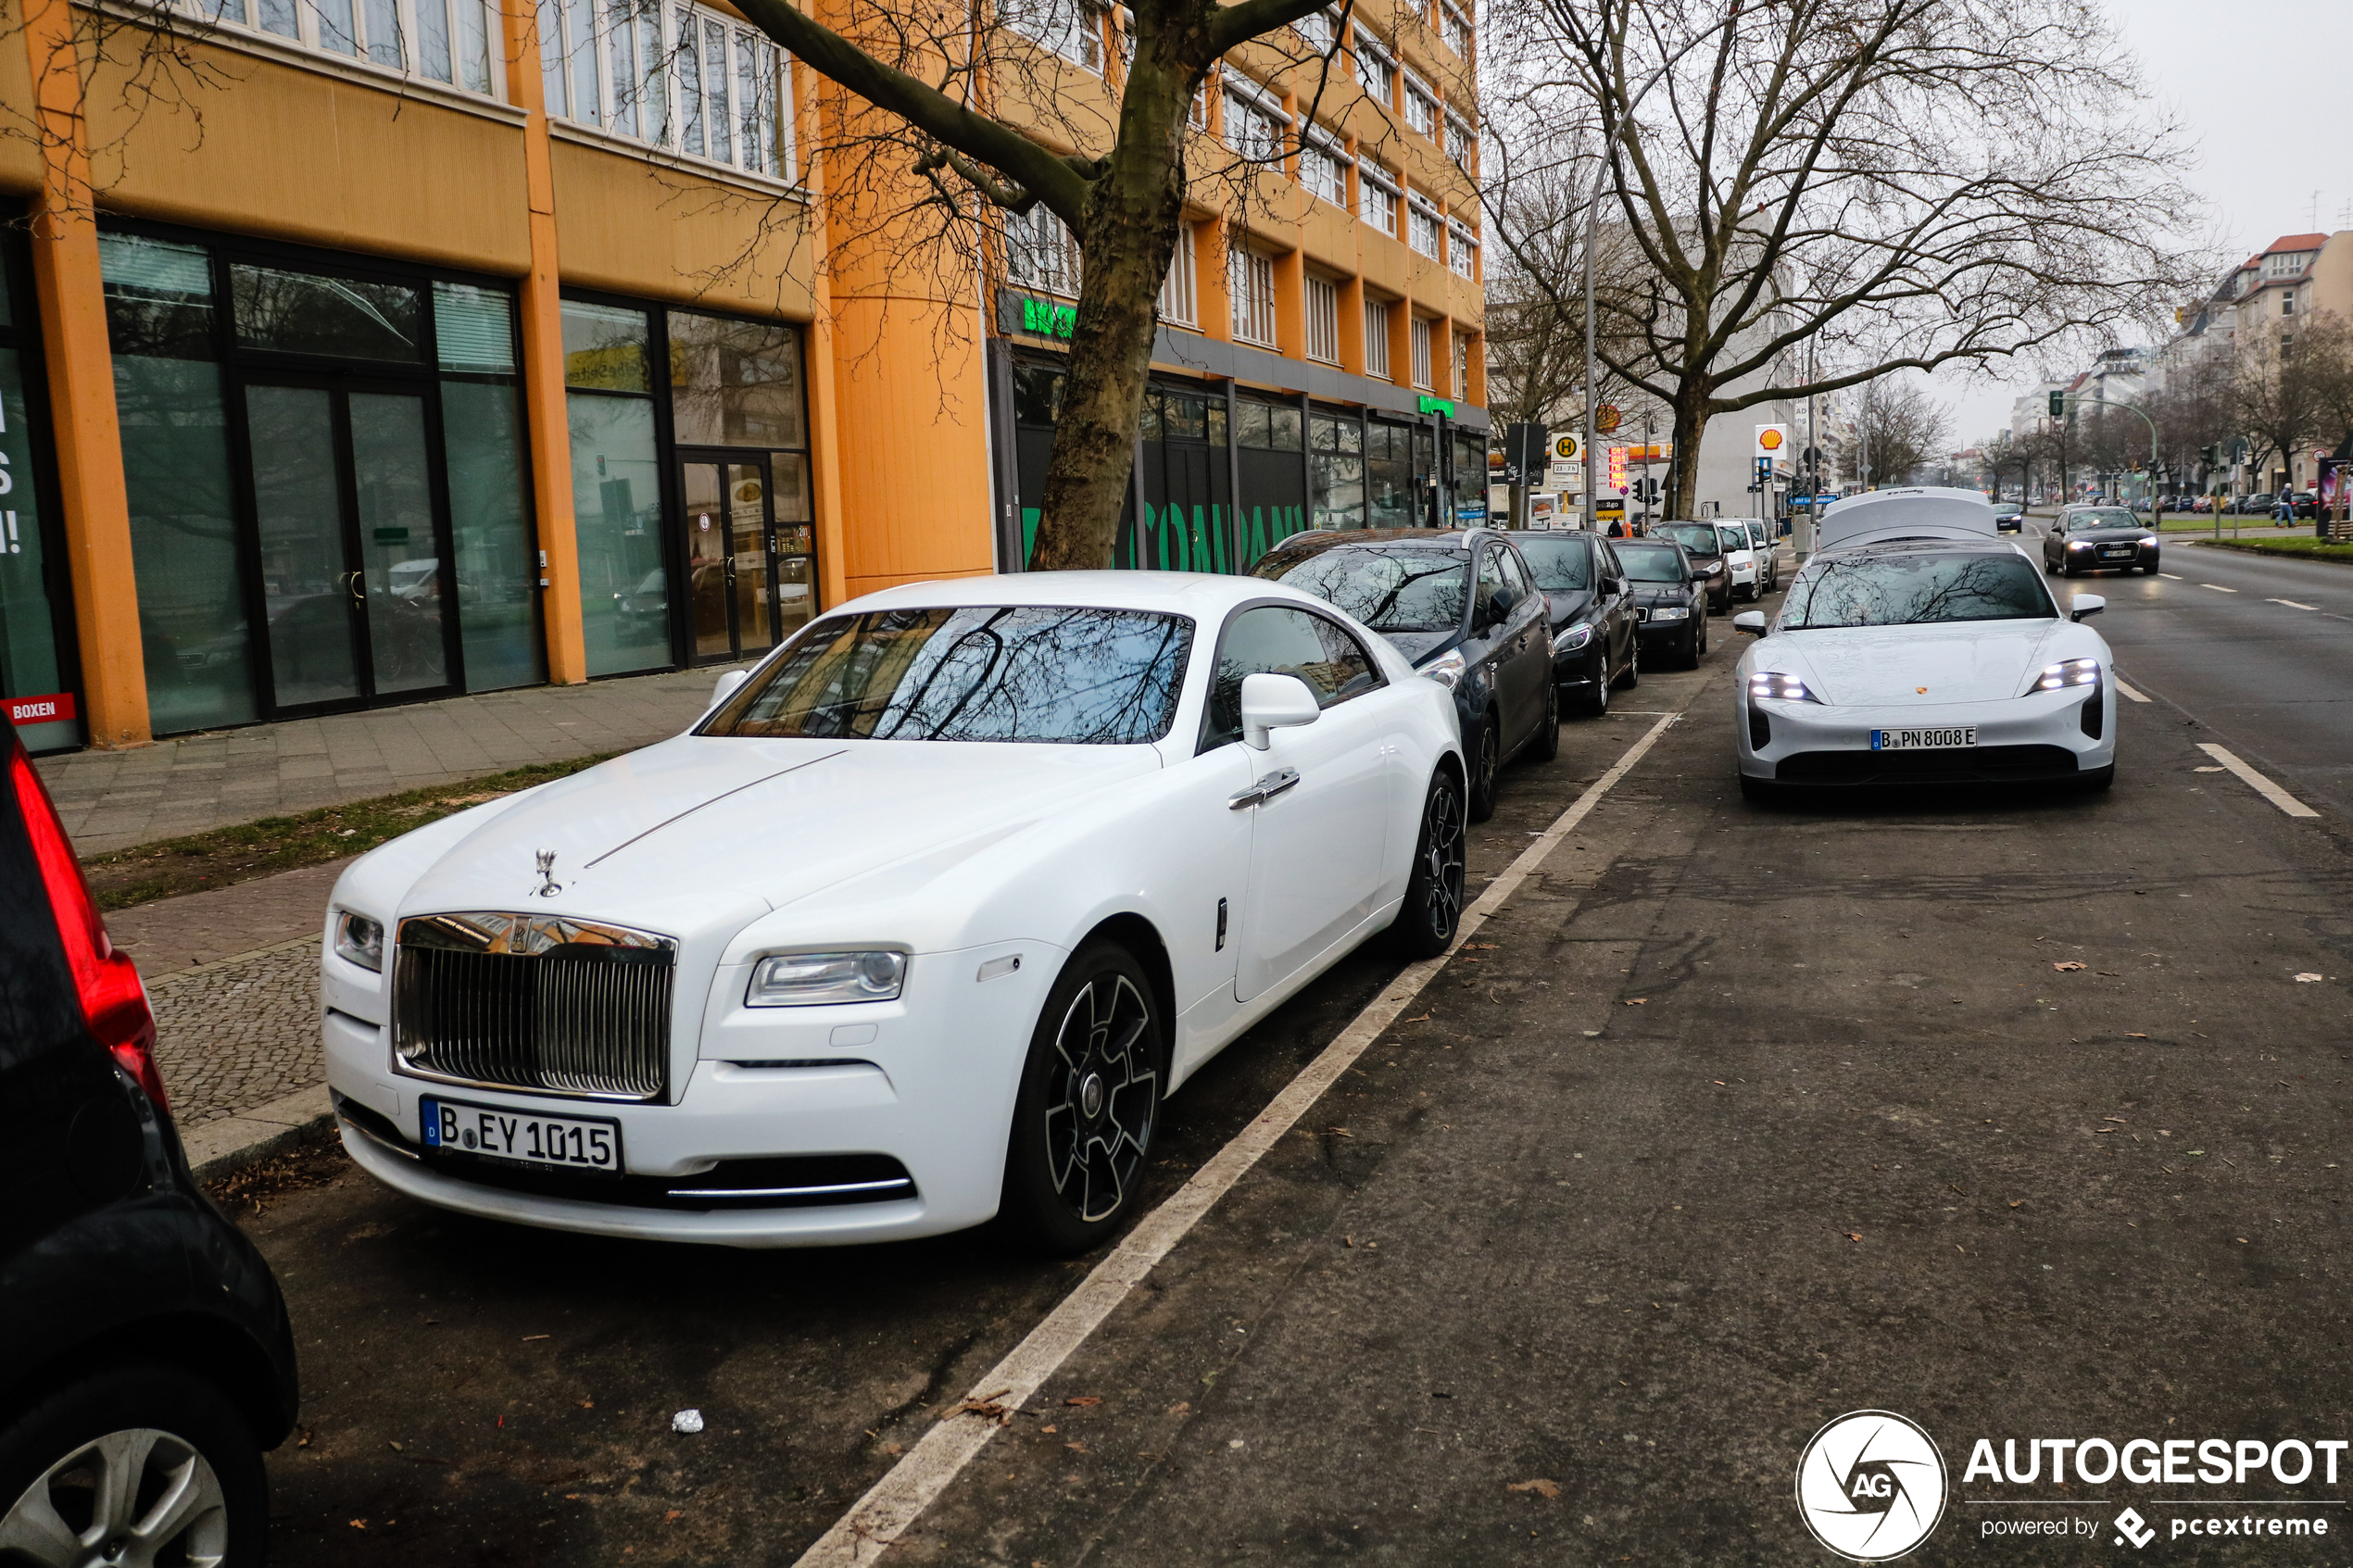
x=2155, y=508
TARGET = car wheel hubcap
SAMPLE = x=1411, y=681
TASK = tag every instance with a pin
x=1101, y=1098
x=1442, y=859
x=128, y=1497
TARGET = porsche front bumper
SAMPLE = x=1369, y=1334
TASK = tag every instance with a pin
x=2042, y=736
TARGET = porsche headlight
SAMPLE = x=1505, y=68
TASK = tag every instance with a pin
x=1569, y=639
x=808, y=980
x=1780, y=687
x=1446, y=669
x=2071, y=672
x=359, y=940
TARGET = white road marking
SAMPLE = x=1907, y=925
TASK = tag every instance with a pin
x=2291, y=604
x=2173, y=576
x=2217, y=587
x=2128, y=691
x=2261, y=785
x=898, y=1499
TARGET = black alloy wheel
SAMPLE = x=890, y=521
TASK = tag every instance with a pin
x=1595, y=703
x=1545, y=743
x=1432, y=911
x=140, y=1463
x=1487, y=760
x=1088, y=1105
x=1696, y=649
x=1633, y=674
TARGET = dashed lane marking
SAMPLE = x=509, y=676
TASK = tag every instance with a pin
x=2170, y=576
x=2261, y=785
x=898, y=1500
x=2217, y=587
x=2291, y=604
x=2128, y=691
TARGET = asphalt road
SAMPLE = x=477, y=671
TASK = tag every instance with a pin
x=1748, y=1117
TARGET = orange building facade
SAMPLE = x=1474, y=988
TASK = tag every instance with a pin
x=434, y=346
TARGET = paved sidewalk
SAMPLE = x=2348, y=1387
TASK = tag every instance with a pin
x=114, y=800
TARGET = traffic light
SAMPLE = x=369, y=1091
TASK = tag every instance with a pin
x=2208, y=455
x=2059, y=405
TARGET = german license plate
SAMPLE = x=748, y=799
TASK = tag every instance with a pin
x=568, y=1143
x=2119, y=552
x=1922, y=740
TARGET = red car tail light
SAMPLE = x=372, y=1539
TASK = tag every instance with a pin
x=113, y=1002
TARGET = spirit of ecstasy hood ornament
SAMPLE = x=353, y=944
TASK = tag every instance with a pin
x=548, y=886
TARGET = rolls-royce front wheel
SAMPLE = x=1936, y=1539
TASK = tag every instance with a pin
x=1089, y=1103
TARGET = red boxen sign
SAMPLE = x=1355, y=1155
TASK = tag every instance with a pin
x=40, y=709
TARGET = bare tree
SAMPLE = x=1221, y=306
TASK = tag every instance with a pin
x=2290, y=385
x=1895, y=183
x=1900, y=428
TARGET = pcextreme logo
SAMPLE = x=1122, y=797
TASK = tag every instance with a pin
x=1870, y=1486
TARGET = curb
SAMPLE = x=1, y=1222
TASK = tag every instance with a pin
x=224, y=1147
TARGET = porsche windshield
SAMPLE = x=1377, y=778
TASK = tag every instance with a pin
x=1042, y=673
x=1915, y=589
x=1416, y=589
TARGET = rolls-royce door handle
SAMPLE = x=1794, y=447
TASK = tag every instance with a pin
x=1268, y=787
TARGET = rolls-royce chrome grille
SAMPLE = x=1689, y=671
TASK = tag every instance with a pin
x=539, y=1002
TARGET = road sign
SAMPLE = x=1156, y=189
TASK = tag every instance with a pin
x=1522, y=453
x=1771, y=439
x=1606, y=418
x=1567, y=449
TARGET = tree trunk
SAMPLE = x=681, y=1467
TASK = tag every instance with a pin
x=1691, y=423
x=1132, y=227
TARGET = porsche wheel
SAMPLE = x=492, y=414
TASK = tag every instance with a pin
x=1088, y=1105
x=138, y=1463
x=1487, y=760
x=1433, y=909
x=1545, y=743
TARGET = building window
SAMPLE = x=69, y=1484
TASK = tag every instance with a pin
x=1422, y=224
x=1070, y=27
x=1462, y=142
x=1375, y=70
x=1462, y=368
x=1250, y=131
x=1316, y=29
x=1463, y=250
x=1458, y=31
x=1335, y=448
x=1251, y=281
x=1421, y=352
x=1040, y=252
x=1421, y=106
x=449, y=42
x=1319, y=170
x=1376, y=199
x=2288, y=302
x=681, y=78
x=1179, y=299
x=1377, y=337
x=1323, y=321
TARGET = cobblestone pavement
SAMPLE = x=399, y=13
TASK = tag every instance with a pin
x=236, y=1034
x=113, y=799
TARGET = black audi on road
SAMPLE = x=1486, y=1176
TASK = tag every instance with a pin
x=2098, y=539
x=1670, y=597
x=1594, y=648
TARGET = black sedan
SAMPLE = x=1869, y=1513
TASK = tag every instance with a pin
x=1594, y=648
x=148, y=1359
x=1670, y=597
x=1704, y=545
x=2008, y=518
x=2098, y=539
x=1463, y=608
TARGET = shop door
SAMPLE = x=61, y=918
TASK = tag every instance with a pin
x=354, y=570
x=748, y=579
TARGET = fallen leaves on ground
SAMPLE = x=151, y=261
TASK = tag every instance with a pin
x=2307, y=978
x=2068, y=965
x=1852, y=1236
x=1083, y=1400
x=1636, y=1001
x=1541, y=1486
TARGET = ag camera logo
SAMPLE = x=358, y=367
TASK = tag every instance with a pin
x=1870, y=1486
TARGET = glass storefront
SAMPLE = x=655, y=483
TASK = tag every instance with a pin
x=1336, y=444
x=616, y=488
x=326, y=476
x=34, y=673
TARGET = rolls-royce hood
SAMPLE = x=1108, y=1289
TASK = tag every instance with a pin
x=702, y=833
x=1922, y=666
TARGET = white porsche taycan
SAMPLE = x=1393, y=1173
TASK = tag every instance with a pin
x=920, y=921
x=1920, y=646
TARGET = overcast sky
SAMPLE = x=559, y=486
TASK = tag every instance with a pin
x=2251, y=83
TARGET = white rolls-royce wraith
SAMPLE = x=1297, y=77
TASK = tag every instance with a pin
x=920, y=923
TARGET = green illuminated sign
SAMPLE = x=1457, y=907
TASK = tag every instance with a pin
x=1429, y=404
x=1047, y=318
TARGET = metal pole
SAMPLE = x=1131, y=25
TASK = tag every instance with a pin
x=1592, y=219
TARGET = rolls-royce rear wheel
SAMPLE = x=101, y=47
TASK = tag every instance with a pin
x=1433, y=909
x=1088, y=1105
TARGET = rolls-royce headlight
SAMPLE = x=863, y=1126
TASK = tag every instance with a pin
x=2072, y=672
x=359, y=940
x=807, y=980
x=1569, y=639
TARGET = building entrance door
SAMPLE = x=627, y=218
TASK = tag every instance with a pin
x=349, y=547
x=748, y=576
